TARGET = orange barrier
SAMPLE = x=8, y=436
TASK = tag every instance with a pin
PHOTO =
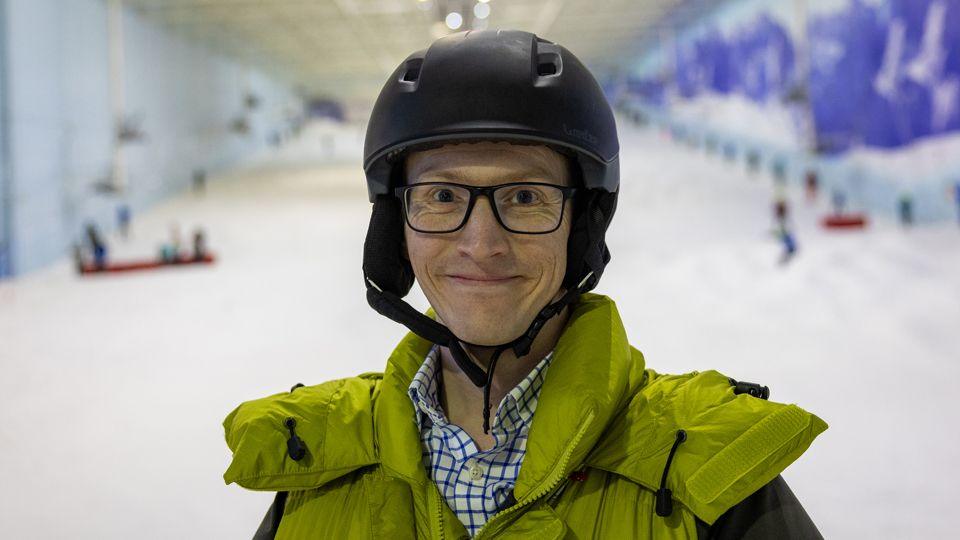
x=845, y=221
x=88, y=268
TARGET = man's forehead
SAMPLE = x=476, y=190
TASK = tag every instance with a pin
x=451, y=162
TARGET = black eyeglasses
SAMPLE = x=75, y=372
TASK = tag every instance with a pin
x=520, y=207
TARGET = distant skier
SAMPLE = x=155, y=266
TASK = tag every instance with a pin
x=781, y=214
x=199, y=245
x=123, y=220
x=97, y=246
x=170, y=253
x=812, y=185
x=789, y=243
x=781, y=211
x=905, y=208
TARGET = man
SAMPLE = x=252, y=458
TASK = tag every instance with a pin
x=516, y=407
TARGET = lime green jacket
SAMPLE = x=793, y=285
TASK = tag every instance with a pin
x=596, y=450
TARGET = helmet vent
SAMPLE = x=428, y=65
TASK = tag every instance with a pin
x=411, y=72
x=546, y=69
x=548, y=64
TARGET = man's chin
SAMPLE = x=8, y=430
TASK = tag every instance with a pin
x=486, y=334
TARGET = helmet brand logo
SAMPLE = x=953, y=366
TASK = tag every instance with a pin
x=580, y=134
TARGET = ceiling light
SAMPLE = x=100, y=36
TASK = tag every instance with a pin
x=454, y=20
x=483, y=1
x=481, y=11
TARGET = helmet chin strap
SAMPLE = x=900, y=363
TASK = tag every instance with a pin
x=393, y=307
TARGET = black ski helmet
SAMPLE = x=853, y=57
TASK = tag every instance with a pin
x=488, y=85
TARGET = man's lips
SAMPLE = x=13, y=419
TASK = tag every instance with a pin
x=480, y=279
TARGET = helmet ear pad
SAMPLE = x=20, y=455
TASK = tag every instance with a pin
x=385, y=260
x=586, y=248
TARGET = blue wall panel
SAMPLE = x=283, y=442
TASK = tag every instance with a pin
x=892, y=77
x=882, y=74
x=5, y=195
x=883, y=80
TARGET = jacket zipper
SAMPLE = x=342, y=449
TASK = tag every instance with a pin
x=435, y=493
x=564, y=461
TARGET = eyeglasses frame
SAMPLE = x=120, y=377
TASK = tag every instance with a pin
x=475, y=192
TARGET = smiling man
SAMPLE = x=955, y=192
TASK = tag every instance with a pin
x=516, y=406
x=488, y=264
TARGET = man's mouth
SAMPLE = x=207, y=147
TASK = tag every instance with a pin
x=481, y=280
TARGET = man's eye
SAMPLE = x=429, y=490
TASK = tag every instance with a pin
x=525, y=196
x=443, y=195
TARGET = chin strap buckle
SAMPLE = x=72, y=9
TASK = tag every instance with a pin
x=752, y=389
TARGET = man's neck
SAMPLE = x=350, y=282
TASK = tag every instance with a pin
x=463, y=401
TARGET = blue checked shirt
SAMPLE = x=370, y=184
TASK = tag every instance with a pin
x=475, y=484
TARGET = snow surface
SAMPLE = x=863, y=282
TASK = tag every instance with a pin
x=113, y=388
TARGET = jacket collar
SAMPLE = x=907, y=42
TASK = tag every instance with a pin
x=591, y=376
x=395, y=422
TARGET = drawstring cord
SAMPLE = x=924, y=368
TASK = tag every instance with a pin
x=486, y=389
x=664, y=500
x=521, y=346
x=295, y=446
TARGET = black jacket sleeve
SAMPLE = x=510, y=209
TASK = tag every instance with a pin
x=271, y=521
x=773, y=511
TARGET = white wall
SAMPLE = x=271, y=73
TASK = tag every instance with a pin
x=61, y=128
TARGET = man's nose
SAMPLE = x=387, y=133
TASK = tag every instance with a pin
x=482, y=236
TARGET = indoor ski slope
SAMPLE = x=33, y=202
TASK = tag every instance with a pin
x=113, y=388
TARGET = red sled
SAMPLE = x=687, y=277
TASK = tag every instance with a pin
x=845, y=221
x=88, y=268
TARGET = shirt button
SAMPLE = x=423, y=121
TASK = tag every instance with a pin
x=476, y=471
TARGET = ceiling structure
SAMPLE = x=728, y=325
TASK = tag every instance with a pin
x=345, y=49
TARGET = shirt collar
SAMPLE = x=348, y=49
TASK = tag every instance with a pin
x=424, y=390
x=521, y=401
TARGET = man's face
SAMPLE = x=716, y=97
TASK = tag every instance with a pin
x=486, y=283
